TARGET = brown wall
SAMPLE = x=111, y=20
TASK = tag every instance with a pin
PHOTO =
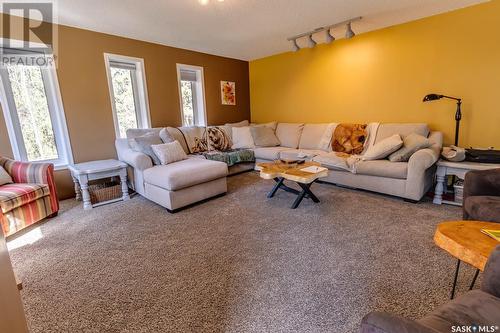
x=85, y=94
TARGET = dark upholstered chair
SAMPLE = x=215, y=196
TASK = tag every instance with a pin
x=482, y=195
x=477, y=307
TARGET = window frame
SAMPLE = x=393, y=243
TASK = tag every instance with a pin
x=139, y=87
x=198, y=94
x=57, y=115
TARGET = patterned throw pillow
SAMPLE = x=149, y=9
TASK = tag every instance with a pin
x=349, y=138
x=219, y=139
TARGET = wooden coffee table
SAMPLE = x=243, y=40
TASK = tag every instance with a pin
x=465, y=241
x=280, y=172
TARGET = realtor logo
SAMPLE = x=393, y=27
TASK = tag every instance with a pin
x=29, y=33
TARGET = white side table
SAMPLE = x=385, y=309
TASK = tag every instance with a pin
x=82, y=173
x=459, y=169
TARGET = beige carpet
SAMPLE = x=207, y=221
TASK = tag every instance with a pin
x=240, y=263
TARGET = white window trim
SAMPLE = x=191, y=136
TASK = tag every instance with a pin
x=61, y=134
x=144, y=120
x=200, y=98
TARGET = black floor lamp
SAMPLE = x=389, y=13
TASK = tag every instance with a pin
x=458, y=114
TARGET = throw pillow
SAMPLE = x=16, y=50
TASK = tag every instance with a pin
x=383, y=148
x=143, y=145
x=165, y=136
x=349, y=138
x=264, y=136
x=242, y=138
x=411, y=144
x=219, y=139
x=272, y=125
x=5, y=178
x=169, y=152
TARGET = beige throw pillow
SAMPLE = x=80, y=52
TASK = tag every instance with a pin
x=272, y=125
x=264, y=136
x=383, y=148
x=165, y=136
x=242, y=138
x=411, y=144
x=5, y=178
x=169, y=152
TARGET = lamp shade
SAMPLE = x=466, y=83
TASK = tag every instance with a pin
x=432, y=97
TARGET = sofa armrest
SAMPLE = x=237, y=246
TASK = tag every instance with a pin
x=482, y=182
x=379, y=322
x=133, y=158
x=491, y=277
x=418, y=179
x=34, y=173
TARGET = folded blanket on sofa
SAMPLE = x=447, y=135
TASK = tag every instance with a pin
x=231, y=157
x=340, y=161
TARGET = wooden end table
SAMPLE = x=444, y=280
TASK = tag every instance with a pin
x=458, y=169
x=465, y=241
x=279, y=172
x=82, y=173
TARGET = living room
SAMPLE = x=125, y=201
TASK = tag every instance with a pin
x=204, y=166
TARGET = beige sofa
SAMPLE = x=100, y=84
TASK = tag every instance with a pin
x=409, y=180
x=175, y=185
x=195, y=179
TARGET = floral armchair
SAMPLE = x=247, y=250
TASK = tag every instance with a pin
x=30, y=198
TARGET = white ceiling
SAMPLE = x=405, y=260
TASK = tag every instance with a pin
x=242, y=29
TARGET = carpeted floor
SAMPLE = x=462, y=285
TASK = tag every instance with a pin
x=240, y=263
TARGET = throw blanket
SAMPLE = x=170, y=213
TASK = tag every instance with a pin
x=231, y=157
x=340, y=161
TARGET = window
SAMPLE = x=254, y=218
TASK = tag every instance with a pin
x=191, y=95
x=34, y=115
x=127, y=89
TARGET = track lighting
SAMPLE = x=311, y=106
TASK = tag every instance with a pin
x=311, y=42
x=329, y=37
x=348, y=31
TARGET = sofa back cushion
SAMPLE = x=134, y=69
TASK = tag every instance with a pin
x=133, y=133
x=177, y=135
x=242, y=138
x=143, y=145
x=5, y=178
x=289, y=134
x=388, y=130
x=317, y=136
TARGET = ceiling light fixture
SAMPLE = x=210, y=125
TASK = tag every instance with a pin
x=311, y=42
x=348, y=31
x=329, y=37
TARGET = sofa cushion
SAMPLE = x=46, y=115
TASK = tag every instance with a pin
x=243, y=123
x=271, y=124
x=293, y=154
x=263, y=136
x=383, y=148
x=474, y=307
x=386, y=130
x=242, y=138
x=411, y=144
x=16, y=195
x=185, y=173
x=136, y=132
x=289, y=134
x=483, y=208
x=383, y=168
x=269, y=153
x=316, y=136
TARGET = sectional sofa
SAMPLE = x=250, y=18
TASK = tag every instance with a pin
x=182, y=183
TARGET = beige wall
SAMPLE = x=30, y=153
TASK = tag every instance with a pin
x=85, y=94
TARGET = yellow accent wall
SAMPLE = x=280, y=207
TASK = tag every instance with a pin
x=383, y=76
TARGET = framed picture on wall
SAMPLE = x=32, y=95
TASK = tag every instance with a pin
x=228, y=92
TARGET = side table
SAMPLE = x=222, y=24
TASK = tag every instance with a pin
x=459, y=169
x=82, y=173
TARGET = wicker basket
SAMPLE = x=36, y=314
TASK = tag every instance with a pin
x=104, y=192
